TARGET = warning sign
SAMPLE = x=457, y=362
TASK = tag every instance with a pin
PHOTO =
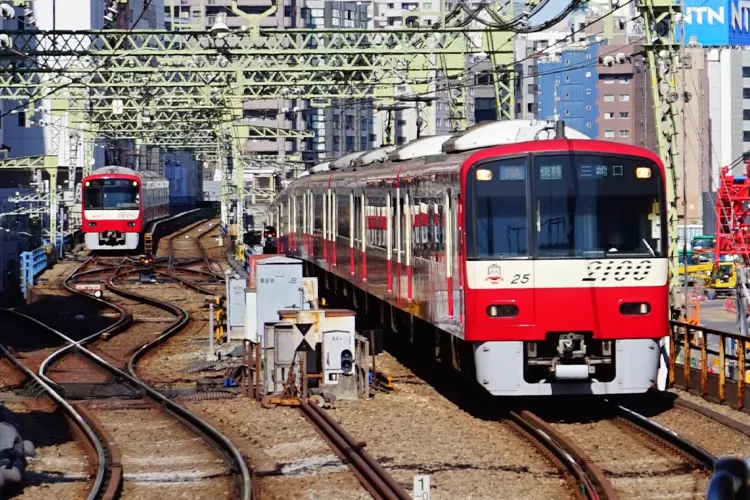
x=301, y=340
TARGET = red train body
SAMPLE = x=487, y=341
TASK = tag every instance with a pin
x=118, y=204
x=541, y=264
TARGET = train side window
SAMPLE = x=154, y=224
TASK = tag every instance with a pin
x=342, y=202
x=318, y=213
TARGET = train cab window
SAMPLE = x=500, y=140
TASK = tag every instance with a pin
x=496, y=221
x=111, y=194
x=592, y=206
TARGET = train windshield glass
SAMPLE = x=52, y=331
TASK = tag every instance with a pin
x=567, y=206
x=111, y=194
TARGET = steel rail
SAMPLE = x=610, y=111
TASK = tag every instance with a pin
x=189, y=228
x=667, y=435
x=592, y=482
x=74, y=415
x=182, y=319
x=370, y=473
x=125, y=320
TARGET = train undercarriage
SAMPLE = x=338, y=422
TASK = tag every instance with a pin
x=112, y=240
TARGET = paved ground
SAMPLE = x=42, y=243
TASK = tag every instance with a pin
x=713, y=315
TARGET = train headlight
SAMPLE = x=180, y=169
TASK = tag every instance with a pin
x=635, y=308
x=484, y=175
x=502, y=311
x=643, y=173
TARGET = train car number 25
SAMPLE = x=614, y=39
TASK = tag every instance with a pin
x=520, y=279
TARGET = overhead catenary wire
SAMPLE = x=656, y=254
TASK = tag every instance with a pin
x=34, y=100
x=370, y=100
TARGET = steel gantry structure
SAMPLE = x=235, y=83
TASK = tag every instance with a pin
x=184, y=89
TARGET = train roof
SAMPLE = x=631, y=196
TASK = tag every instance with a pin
x=115, y=170
x=443, y=153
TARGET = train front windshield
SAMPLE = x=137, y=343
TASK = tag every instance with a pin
x=565, y=206
x=111, y=194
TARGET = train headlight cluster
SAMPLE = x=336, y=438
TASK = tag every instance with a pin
x=484, y=175
x=635, y=308
x=502, y=311
x=643, y=173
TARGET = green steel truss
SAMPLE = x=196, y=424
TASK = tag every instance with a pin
x=659, y=22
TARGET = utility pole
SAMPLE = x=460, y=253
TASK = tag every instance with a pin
x=683, y=153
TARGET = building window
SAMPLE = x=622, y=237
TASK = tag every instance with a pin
x=746, y=71
x=746, y=114
x=624, y=97
x=609, y=98
x=609, y=116
x=746, y=136
x=624, y=133
x=746, y=93
x=609, y=134
x=624, y=114
x=623, y=79
x=609, y=79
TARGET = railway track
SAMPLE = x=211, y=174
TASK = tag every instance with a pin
x=165, y=457
x=369, y=472
x=638, y=456
x=44, y=415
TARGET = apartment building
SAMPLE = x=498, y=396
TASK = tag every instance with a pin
x=275, y=113
x=625, y=98
x=567, y=88
x=340, y=126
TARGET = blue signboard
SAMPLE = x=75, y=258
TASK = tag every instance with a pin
x=717, y=22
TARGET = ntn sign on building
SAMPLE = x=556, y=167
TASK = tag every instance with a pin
x=717, y=22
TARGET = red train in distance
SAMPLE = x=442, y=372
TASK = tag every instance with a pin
x=533, y=257
x=118, y=204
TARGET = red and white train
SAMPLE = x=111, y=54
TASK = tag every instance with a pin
x=520, y=252
x=118, y=204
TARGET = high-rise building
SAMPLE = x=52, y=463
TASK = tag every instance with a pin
x=625, y=112
x=340, y=126
x=567, y=88
x=275, y=113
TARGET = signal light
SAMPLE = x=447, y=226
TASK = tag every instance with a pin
x=147, y=260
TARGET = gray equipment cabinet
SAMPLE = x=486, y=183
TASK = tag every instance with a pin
x=278, y=281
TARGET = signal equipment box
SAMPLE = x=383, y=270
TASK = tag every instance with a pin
x=338, y=355
x=278, y=282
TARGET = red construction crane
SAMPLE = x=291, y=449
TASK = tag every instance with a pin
x=732, y=211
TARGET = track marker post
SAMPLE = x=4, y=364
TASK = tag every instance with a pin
x=422, y=487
